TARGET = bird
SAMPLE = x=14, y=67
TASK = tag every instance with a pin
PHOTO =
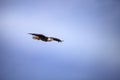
x=44, y=38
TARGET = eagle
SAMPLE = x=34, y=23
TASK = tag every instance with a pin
x=44, y=38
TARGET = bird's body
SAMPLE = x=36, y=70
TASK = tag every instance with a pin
x=44, y=38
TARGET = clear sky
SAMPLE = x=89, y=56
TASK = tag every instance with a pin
x=90, y=30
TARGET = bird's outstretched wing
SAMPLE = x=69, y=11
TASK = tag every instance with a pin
x=39, y=35
x=56, y=39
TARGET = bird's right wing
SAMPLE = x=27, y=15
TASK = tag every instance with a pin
x=56, y=39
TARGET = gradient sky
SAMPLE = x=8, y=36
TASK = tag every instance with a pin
x=90, y=30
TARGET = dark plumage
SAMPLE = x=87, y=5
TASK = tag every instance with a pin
x=44, y=38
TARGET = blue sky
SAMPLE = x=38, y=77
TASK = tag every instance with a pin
x=89, y=28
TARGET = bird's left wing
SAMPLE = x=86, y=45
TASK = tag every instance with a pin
x=36, y=34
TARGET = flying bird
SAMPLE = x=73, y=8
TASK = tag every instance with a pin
x=44, y=38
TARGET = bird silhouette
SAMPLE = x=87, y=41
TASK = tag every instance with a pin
x=44, y=38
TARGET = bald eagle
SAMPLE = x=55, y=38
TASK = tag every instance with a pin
x=44, y=38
